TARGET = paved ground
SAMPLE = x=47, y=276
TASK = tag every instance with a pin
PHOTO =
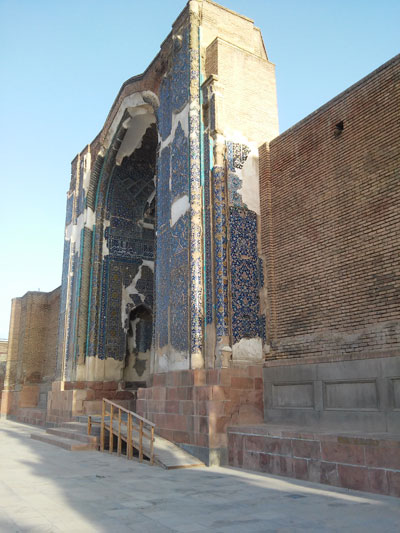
x=46, y=489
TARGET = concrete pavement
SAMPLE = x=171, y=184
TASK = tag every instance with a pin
x=48, y=489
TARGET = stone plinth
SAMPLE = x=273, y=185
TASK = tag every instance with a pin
x=368, y=462
x=193, y=408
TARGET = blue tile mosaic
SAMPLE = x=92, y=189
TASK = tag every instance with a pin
x=162, y=287
x=236, y=156
x=164, y=112
x=163, y=194
x=70, y=207
x=220, y=251
x=208, y=233
x=180, y=74
x=179, y=308
x=179, y=164
x=129, y=243
x=244, y=274
x=180, y=237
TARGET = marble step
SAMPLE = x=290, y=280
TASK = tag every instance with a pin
x=67, y=444
x=73, y=434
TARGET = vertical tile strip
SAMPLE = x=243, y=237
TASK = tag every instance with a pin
x=196, y=230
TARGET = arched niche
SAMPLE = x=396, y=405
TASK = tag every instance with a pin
x=123, y=250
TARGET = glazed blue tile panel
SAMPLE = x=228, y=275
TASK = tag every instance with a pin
x=180, y=74
x=179, y=164
x=70, y=207
x=162, y=287
x=163, y=194
x=120, y=273
x=179, y=308
x=208, y=244
x=164, y=112
x=128, y=245
x=95, y=280
x=64, y=288
x=220, y=255
x=244, y=274
x=180, y=236
x=72, y=304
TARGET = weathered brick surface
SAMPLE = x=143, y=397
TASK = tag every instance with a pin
x=31, y=358
x=331, y=225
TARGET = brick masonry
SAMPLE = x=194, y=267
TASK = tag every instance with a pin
x=31, y=358
x=370, y=464
x=330, y=202
x=194, y=407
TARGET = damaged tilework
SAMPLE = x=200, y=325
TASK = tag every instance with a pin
x=172, y=256
x=80, y=204
x=179, y=164
x=164, y=112
x=236, y=155
x=196, y=219
x=162, y=288
x=208, y=232
x=70, y=336
x=63, y=299
x=180, y=73
x=244, y=274
x=70, y=207
x=220, y=255
x=129, y=243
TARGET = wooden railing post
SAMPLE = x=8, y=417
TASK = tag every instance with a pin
x=89, y=425
x=103, y=412
x=111, y=438
x=152, y=446
x=141, y=440
x=119, y=432
x=129, y=439
x=144, y=427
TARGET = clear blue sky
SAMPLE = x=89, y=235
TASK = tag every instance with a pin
x=62, y=63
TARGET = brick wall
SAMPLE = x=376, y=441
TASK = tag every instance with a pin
x=331, y=225
x=31, y=359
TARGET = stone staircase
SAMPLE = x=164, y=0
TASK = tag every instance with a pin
x=70, y=436
x=73, y=436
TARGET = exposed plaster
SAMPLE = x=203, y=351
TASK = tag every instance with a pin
x=130, y=290
x=248, y=175
x=141, y=118
x=179, y=208
x=87, y=171
x=183, y=118
x=73, y=232
x=131, y=101
x=90, y=220
x=105, y=250
x=248, y=350
x=172, y=361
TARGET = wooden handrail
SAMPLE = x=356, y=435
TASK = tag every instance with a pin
x=130, y=427
x=131, y=412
